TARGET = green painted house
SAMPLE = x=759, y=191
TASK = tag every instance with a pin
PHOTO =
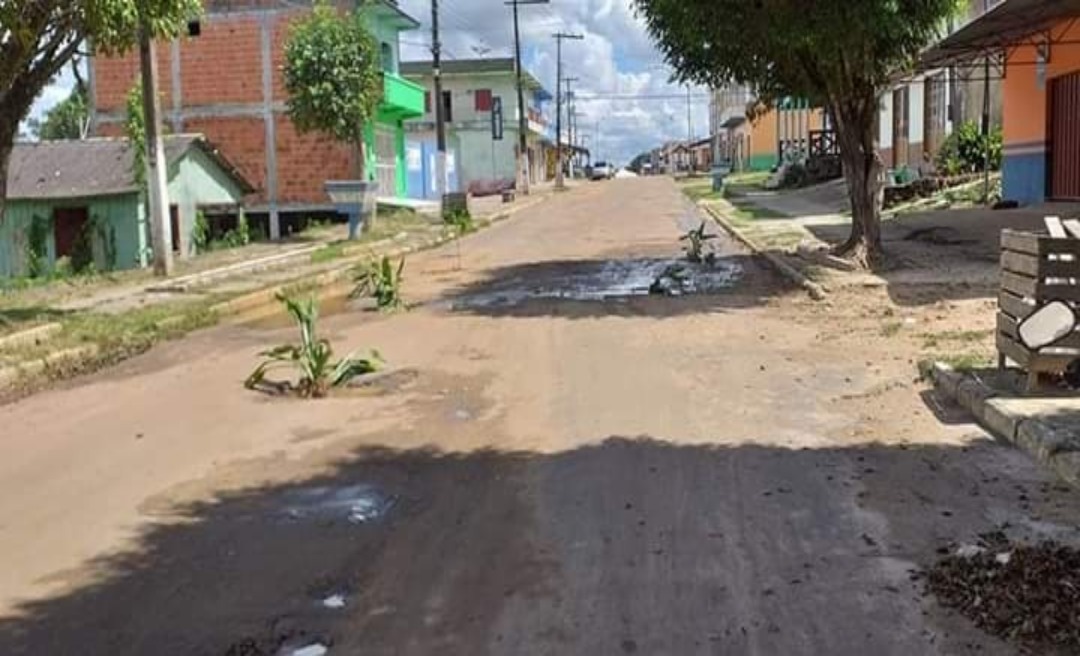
x=80, y=200
x=402, y=100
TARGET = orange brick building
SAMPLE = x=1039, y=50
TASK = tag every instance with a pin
x=227, y=83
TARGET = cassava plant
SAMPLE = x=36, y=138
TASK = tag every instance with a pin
x=695, y=244
x=312, y=358
x=381, y=280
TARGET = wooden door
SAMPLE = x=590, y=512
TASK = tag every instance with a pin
x=1064, y=137
x=68, y=226
x=900, y=127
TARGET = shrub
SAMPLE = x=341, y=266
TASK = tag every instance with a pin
x=461, y=220
x=964, y=151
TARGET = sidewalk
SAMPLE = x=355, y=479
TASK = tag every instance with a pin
x=72, y=330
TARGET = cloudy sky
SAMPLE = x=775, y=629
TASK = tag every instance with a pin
x=633, y=104
x=631, y=101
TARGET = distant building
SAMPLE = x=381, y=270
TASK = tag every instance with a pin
x=228, y=83
x=471, y=88
x=84, y=195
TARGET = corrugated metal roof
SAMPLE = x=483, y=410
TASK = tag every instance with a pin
x=92, y=167
x=1007, y=24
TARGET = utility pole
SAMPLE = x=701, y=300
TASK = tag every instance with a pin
x=689, y=120
x=570, y=120
x=523, y=119
x=559, y=37
x=157, y=187
x=440, y=125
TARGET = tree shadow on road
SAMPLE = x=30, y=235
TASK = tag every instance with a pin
x=617, y=287
x=626, y=545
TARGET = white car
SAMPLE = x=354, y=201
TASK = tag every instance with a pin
x=602, y=171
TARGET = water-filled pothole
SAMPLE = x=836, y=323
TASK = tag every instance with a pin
x=609, y=280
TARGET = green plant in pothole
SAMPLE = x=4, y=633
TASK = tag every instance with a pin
x=381, y=280
x=696, y=240
x=312, y=358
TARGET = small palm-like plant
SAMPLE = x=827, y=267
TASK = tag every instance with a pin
x=695, y=244
x=381, y=280
x=312, y=358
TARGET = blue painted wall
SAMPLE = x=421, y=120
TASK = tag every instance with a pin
x=1023, y=177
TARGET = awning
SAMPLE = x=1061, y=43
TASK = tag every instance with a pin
x=1012, y=23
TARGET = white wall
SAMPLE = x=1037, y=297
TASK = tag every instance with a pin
x=916, y=111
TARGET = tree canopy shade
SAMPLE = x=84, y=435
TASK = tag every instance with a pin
x=839, y=54
x=332, y=75
x=38, y=37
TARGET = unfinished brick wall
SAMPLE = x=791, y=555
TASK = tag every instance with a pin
x=222, y=96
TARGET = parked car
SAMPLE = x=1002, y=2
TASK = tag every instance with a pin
x=602, y=171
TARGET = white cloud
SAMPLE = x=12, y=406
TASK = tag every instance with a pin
x=623, y=83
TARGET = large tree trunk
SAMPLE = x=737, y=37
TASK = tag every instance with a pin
x=857, y=134
x=7, y=139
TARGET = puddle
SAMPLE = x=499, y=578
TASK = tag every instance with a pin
x=357, y=504
x=604, y=281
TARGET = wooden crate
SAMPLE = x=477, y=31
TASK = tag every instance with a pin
x=1035, y=270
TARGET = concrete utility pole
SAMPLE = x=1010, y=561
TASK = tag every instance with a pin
x=570, y=119
x=440, y=124
x=157, y=185
x=523, y=119
x=559, y=37
x=689, y=120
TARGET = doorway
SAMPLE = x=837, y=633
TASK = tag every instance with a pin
x=68, y=226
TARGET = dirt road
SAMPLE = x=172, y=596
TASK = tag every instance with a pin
x=564, y=466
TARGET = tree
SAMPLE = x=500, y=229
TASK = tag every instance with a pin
x=37, y=38
x=69, y=119
x=839, y=54
x=332, y=76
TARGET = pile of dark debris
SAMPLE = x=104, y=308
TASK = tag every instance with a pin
x=1028, y=594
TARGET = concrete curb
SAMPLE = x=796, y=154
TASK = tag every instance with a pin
x=1055, y=443
x=251, y=301
x=816, y=291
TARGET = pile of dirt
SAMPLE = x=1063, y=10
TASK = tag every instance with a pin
x=1026, y=594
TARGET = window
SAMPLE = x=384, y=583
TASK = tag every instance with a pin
x=483, y=100
x=427, y=102
x=448, y=106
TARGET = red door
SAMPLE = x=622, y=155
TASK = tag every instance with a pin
x=68, y=225
x=1064, y=137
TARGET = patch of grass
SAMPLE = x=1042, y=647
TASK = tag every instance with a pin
x=755, y=213
x=933, y=340
x=328, y=253
x=699, y=189
x=122, y=335
x=748, y=178
x=964, y=361
x=390, y=223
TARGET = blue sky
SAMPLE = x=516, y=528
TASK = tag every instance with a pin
x=616, y=58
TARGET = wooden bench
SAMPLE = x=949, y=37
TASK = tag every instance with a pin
x=1037, y=269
